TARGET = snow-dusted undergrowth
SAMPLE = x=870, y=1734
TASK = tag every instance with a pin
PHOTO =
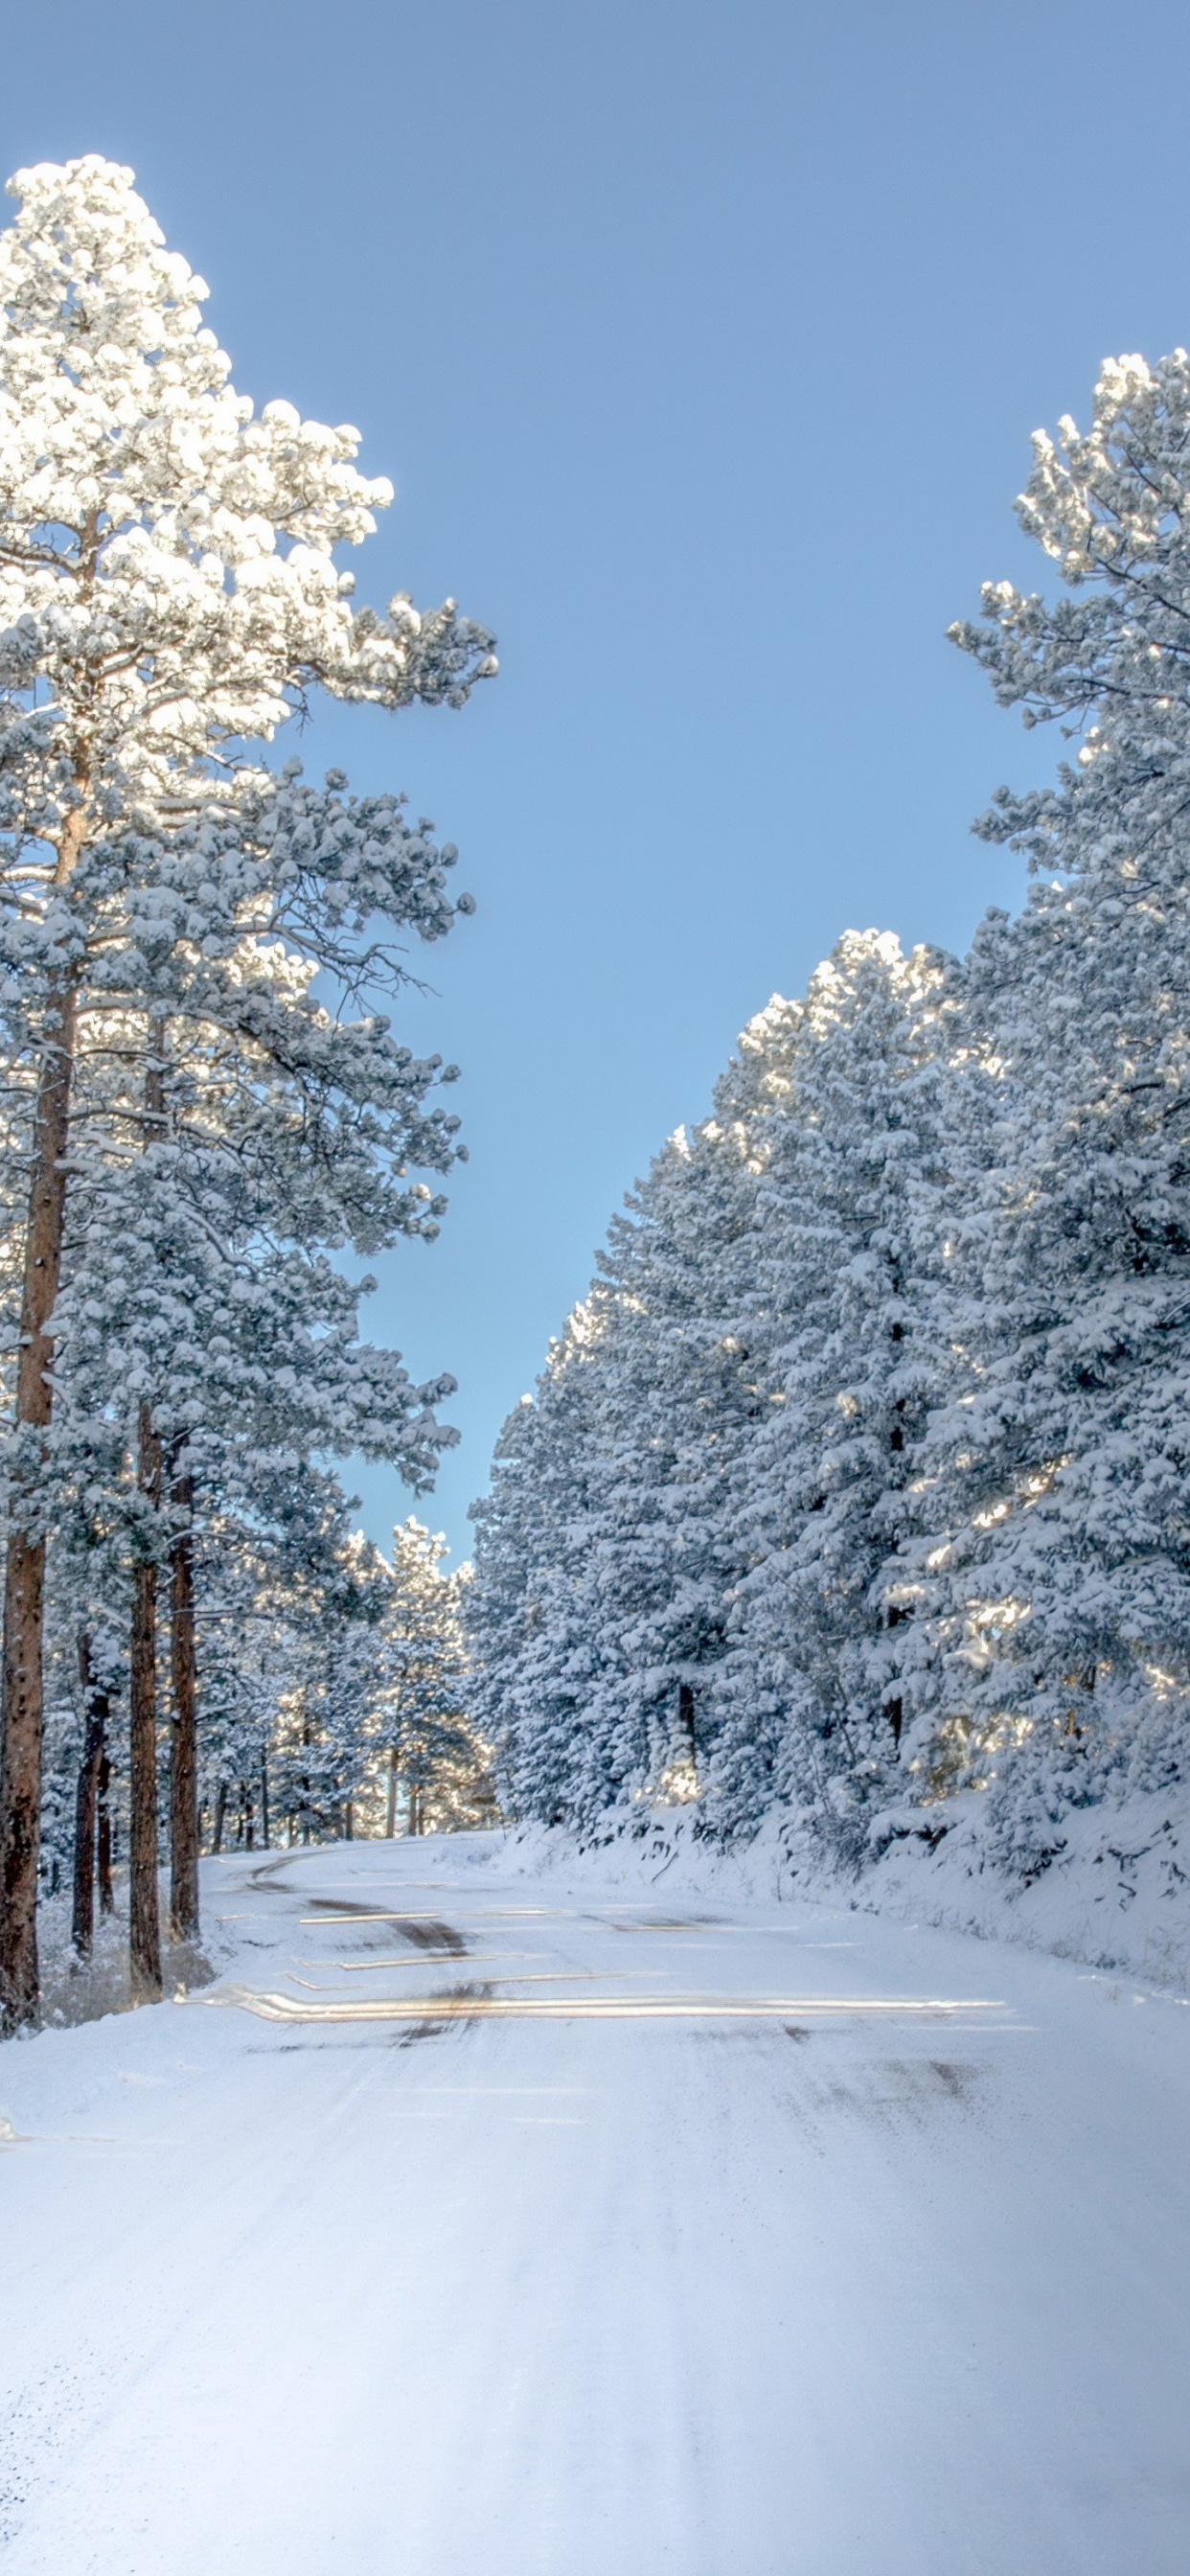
x=1117, y=1894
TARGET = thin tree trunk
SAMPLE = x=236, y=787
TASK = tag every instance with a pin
x=220, y=1814
x=103, y=1839
x=144, y=1912
x=95, y=1704
x=21, y=1701
x=183, y=1766
x=82, y=1914
x=21, y=1686
x=264, y=1800
x=390, y=1812
x=144, y=1926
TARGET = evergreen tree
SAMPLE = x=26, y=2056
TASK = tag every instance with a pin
x=1055, y=1546
x=434, y=1764
x=537, y=1653
x=609, y=1547
x=854, y=1165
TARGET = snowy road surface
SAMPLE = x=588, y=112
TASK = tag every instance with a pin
x=827, y=2284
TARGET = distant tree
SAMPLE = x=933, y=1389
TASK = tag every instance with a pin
x=610, y=1544
x=437, y=1769
x=537, y=1651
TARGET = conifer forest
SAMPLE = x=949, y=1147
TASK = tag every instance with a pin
x=854, y=1494
x=818, y=1692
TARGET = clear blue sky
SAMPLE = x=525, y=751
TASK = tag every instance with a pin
x=702, y=344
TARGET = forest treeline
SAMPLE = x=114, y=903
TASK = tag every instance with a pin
x=860, y=1478
x=204, y=1102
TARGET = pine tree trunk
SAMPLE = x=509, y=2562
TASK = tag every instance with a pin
x=144, y=1927
x=390, y=1812
x=144, y=1912
x=264, y=1800
x=183, y=1768
x=82, y=1914
x=95, y=1703
x=220, y=1813
x=21, y=1702
x=894, y=1706
x=24, y=1584
x=103, y=1839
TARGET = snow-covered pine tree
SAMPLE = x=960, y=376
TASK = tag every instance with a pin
x=610, y=1543
x=854, y=1162
x=686, y=1345
x=536, y=1653
x=290, y=1617
x=688, y=1571
x=435, y=1767
x=168, y=595
x=331, y=1707
x=664, y=1547
x=1055, y=1548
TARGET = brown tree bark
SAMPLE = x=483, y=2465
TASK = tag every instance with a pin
x=103, y=1839
x=95, y=1705
x=144, y=1925
x=21, y=1704
x=144, y=1913
x=24, y=1586
x=183, y=1766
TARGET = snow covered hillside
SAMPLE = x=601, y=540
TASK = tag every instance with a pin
x=506, y=2212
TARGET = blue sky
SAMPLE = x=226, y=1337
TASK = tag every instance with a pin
x=702, y=346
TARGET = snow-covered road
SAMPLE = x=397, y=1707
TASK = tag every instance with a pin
x=883, y=2272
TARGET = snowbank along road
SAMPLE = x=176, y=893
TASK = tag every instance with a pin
x=473, y=2225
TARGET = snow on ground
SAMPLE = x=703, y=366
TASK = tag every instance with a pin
x=743, y=2237
x=1115, y=1895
